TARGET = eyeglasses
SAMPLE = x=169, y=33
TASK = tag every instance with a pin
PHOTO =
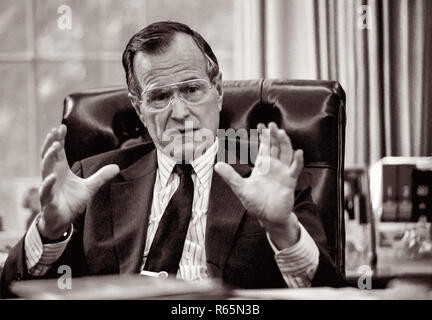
x=191, y=91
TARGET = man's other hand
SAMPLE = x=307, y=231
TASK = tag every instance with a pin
x=63, y=195
x=269, y=191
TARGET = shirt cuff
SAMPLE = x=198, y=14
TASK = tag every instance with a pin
x=39, y=257
x=299, y=262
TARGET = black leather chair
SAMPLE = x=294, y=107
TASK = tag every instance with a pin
x=311, y=112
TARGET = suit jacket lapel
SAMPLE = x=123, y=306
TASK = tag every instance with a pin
x=131, y=201
x=224, y=215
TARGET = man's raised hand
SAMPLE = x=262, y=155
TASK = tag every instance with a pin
x=269, y=191
x=63, y=195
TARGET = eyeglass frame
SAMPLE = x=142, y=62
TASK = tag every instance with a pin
x=211, y=67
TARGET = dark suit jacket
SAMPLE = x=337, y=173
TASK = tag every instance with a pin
x=109, y=237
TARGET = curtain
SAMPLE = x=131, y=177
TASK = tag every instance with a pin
x=379, y=50
x=248, y=39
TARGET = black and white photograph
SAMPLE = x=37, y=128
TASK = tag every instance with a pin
x=215, y=157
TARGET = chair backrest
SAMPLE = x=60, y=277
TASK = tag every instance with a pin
x=312, y=112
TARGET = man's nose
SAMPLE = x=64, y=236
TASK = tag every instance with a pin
x=180, y=109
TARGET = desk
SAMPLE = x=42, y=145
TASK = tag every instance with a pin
x=139, y=287
x=396, y=289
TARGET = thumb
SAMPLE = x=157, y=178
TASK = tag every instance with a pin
x=230, y=176
x=102, y=176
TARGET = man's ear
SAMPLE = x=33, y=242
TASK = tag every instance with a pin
x=136, y=104
x=219, y=88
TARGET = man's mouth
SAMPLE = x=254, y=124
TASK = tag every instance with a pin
x=182, y=131
x=183, y=134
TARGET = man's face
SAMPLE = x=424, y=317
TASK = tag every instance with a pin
x=182, y=128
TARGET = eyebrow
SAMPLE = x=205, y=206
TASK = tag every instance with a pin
x=167, y=85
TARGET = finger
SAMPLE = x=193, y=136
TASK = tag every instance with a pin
x=56, y=134
x=262, y=166
x=274, y=140
x=62, y=130
x=61, y=154
x=286, y=151
x=264, y=148
x=50, y=159
x=260, y=127
x=230, y=176
x=297, y=164
x=274, y=152
x=46, y=193
x=47, y=142
x=101, y=177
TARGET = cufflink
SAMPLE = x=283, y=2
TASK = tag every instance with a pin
x=49, y=241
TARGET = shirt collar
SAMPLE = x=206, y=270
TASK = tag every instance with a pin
x=202, y=165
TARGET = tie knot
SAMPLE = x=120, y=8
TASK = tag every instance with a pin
x=183, y=168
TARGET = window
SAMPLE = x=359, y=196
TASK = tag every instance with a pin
x=42, y=61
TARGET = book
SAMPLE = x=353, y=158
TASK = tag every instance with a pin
x=389, y=192
x=391, y=188
x=422, y=194
x=404, y=194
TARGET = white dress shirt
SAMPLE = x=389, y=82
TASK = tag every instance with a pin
x=297, y=263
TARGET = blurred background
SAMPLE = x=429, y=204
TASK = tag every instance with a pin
x=50, y=48
x=379, y=50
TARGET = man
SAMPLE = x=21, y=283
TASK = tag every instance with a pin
x=164, y=207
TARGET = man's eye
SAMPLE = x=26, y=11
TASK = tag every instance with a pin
x=191, y=89
x=158, y=97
